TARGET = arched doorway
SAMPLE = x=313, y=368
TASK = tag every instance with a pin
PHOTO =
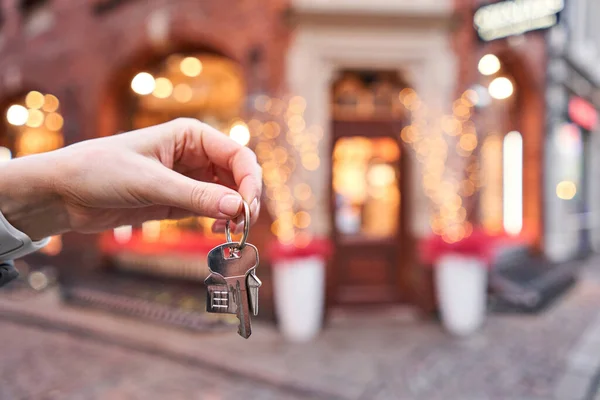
x=32, y=123
x=369, y=179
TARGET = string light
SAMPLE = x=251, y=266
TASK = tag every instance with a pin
x=143, y=83
x=287, y=150
x=442, y=184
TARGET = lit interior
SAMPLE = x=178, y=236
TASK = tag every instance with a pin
x=513, y=183
x=365, y=183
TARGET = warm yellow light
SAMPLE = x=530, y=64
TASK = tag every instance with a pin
x=271, y=130
x=512, y=185
x=297, y=104
x=302, y=220
x=34, y=100
x=191, y=66
x=280, y=155
x=566, y=190
x=143, y=83
x=311, y=161
x=163, y=88
x=240, y=133
x=5, y=154
x=468, y=142
x=409, y=134
x=35, y=118
x=182, y=93
x=407, y=96
x=17, y=115
x=54, y=122
x=51, y=103
x=381, y=175
x=54, y=247
x=123, y=234
x=302, y=191
x=151, y=231
x=501, y=88
x=489, y=64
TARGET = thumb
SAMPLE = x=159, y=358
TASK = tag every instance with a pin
x=170, y=188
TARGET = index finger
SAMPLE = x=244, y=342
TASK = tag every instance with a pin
x=202, y=142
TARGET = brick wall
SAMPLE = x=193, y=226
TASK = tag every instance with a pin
x=87, y=59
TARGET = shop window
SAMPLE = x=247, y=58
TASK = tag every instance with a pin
x=365, y=184
x=32, y=124
x=204, y=86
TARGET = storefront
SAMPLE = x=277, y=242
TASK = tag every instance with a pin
x=353, y=64
x=510, y=86
x=574, y=125
x=573, y=100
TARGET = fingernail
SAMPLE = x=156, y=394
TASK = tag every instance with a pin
x=253, y=208
x=230, y=205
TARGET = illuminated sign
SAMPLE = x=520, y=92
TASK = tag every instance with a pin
x=583, y=113
x=515, y=17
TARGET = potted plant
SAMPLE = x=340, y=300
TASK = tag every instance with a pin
x=299, y=286
x=460, y=276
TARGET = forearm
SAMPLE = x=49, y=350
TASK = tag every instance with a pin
x=28, y=199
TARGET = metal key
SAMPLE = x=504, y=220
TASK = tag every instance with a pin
x=232, y=270
x=232, y=284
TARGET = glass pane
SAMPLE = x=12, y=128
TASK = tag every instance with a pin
x=365, y=183
x=204, y=86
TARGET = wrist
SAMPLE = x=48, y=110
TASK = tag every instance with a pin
x=28, y=199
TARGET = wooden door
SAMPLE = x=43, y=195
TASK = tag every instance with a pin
x=368, y=181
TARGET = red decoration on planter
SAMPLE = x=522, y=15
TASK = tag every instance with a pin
x=316, y=247
x=479, y=244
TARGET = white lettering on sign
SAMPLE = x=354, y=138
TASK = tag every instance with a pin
x=516, y=17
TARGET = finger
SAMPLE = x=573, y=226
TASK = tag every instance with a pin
x=225, y=177
x=201, y=139
x=169, y=188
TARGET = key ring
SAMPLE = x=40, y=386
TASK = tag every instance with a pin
x=242, y=242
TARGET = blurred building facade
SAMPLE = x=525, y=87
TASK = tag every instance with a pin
x=351, y=63
x=573, y=99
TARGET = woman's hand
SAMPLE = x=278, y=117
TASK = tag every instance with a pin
x=170, y=171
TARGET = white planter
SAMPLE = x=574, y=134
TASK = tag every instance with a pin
x=299, y=288
x=461, y=284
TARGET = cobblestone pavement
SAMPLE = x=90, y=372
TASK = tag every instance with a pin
x=36, y=364
x=371, y=356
